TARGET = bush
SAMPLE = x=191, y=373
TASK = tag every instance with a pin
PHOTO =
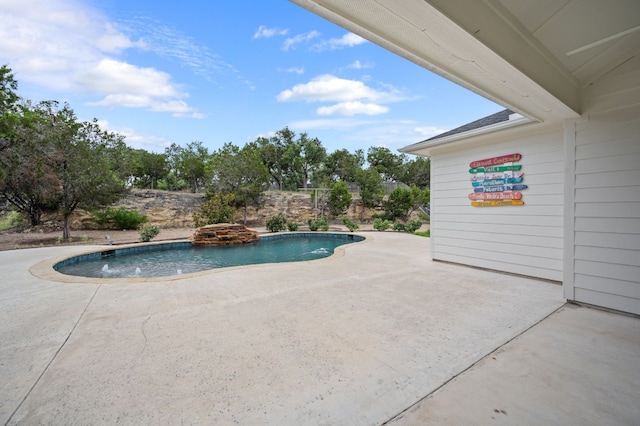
x=276, y=223
x=148, y=233
x=381, y=224
x=292, y=226
x=321, y=224
x=217, y=209
x=351, y=225
x=409, y=227
x=11, y=220
x=120, y=218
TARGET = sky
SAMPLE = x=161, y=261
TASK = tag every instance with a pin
x=162, y=72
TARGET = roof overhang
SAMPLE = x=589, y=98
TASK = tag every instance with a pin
x=470, y=42
x=424, y=148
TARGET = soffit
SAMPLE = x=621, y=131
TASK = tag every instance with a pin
x=513, y=52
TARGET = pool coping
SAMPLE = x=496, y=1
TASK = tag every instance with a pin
x=45, y=268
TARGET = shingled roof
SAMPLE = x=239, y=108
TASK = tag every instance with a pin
x=498, y=117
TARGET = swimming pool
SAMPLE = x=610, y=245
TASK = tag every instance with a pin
x=160, y=260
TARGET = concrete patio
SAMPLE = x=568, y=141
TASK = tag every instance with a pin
x=377, y=333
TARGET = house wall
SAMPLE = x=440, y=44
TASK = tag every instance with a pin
x=524, y=239
x=603, y=200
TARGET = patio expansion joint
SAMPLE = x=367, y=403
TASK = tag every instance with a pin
x=55, y=355
x=401, y=414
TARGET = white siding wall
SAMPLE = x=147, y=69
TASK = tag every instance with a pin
x=604, y=206
x=525, y=239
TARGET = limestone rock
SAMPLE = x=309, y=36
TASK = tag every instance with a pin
x=223, y=234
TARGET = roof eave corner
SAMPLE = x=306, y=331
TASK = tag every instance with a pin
x=423, y=148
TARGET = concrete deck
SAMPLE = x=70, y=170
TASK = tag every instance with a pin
x=379, y=334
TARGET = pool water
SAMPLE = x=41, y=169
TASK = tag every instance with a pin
x=160, y=260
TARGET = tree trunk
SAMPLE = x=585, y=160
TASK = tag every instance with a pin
x=66, y=228
x=34, y=216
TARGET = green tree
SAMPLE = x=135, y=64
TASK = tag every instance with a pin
x=27, y=180
x=399, y=204
x=313, y=155
x=404, y=201
x=339, y=199
x=416, y=172
x=343, y=165
x=281, y=155
x=388, y=164
x=188, y=164
x=84, y=166
x=148, y=168
x=371, y=189
x=240, y=172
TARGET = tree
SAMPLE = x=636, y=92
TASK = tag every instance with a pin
x=339, y=198
x=27, y=179
x=371, y=189
x=240, y=172
x=188, y=164
x=404, y=201
x=416, y=172
x=281, y=155
x=148, y=167
x=53, y=161
x=388, y=164
x=313, y=155
x=84, y=165
x=343, y=165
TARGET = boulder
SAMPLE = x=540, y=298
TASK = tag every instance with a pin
x=223, y=234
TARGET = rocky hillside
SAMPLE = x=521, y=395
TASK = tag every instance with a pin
x=175, y=209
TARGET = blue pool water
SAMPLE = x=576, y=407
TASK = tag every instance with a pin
x=160, y=260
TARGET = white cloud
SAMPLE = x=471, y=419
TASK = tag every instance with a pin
x=328, y=88
x=347, y=40
x=264, y=32
x=341, y=124
x=429, y=131
x=67, y=46
x=292, y=42
x=357, y=65
x=353, y=108
x=116, y=77
x=136, y=140
x=294, y=70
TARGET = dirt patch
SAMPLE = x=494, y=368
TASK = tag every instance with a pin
x=42, y=238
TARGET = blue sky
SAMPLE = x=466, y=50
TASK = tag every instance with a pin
x=162, y=72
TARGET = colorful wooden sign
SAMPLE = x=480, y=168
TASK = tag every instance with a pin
x=504, y=175
x=496, y=181
x=514, y=195
x=495, y=169
x=490, y=182
x=494, y=161
x=497, y=203
x=500, y=188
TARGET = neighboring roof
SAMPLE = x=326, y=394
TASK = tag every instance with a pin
x=498, y=117
x=492, y=123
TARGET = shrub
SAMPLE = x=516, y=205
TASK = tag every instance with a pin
x=276, y=223
x=351, y=225
x=217, y=209
x=120, y=218
x=339, y=199
x=321, y=224
x=381, y=224
x=292, y=226
x=11, y=220
x=148, y=233
x=409, y=227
